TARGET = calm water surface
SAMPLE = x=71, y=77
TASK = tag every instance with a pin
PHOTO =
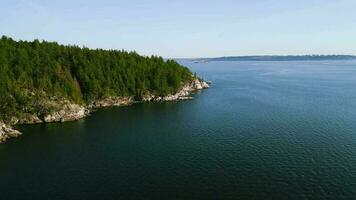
x=264, y=130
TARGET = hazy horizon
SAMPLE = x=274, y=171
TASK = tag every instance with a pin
x=228, y=56
x=185, y=29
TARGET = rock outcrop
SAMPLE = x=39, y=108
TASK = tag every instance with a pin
x=199, y=84
x=69, y=112
x=112, y=101
x=183, y=94
x=29, y=119
x=7, y=132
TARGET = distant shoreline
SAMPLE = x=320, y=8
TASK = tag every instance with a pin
x=274, y=58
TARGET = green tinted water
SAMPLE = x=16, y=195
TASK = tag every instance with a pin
x=264, y=130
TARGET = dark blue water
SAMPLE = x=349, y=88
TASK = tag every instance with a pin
x=264, y=130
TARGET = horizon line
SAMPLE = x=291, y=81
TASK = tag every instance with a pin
x=262, y=55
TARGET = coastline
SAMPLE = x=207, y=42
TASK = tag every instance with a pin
x=68, y=111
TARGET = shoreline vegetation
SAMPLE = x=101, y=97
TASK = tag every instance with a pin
x=44, y=82
x=68, y=111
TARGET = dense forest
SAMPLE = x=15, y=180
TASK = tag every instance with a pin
x=41, y=69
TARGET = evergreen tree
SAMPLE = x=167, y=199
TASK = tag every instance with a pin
x=80, y=75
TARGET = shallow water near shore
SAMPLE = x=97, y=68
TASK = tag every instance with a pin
x=264, y=130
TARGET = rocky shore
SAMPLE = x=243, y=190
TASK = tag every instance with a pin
x=111, y=101
x=183, y=94
x=7, y=132
x=64, y=110
x=69, y=112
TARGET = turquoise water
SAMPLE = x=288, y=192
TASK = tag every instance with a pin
x=264, y=130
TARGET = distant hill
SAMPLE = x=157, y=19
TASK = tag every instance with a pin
x=277, y=58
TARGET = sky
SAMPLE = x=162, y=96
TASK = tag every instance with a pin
x=188, y=28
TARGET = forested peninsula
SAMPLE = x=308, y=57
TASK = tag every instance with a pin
x=47, y=82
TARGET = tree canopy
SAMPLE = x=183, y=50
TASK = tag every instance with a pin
x=79, y=74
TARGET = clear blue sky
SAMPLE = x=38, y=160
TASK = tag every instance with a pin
x=188, y=28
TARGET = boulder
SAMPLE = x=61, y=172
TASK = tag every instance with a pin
x=7, y=132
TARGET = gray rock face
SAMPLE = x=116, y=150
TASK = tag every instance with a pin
x=7, y=132
x=112, y=101
x=29, y=119
x=183, y=94
x=148, y=97
x=199, y=84
x=69, y=112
